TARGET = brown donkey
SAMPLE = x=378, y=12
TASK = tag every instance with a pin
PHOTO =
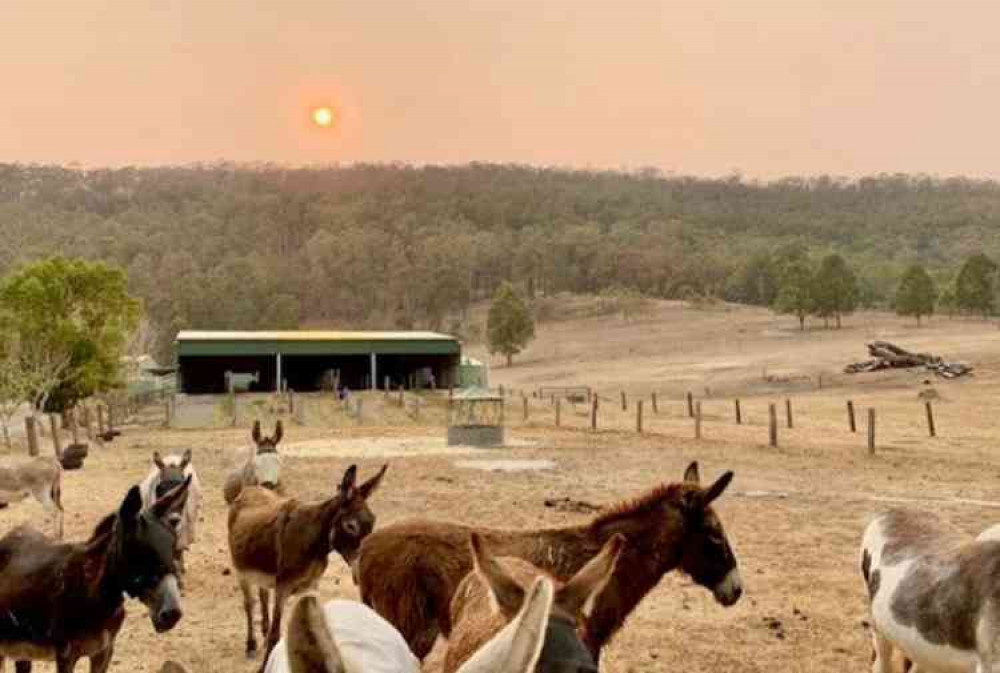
x=491, y=596
x=279, y=543
x=64, y=602
x=408, y=572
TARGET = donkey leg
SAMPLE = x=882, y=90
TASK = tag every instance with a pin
x=99, y=662
x=883, y=653
x=274, y=634
x=65, y=663
x=265, y=613
x=248, y=609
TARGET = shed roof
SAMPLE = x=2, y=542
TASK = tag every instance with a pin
x=223, y=343
x=309, y=335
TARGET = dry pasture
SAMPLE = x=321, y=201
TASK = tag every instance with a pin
x=794, y=513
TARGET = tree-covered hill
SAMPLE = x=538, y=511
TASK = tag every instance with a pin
x=226, y=246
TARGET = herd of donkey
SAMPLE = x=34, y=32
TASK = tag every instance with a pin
x=502, y=601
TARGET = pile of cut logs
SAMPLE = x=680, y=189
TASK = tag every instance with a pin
x=890, y=356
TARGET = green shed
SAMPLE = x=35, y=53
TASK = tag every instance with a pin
x=310, y=360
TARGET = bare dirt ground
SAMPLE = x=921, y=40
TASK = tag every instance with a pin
x=794, y=514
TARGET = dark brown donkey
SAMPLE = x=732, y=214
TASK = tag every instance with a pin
x=408, y=572
x=64, y=602
x=279, y=543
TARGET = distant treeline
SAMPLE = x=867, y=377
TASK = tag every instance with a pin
x=227, y=246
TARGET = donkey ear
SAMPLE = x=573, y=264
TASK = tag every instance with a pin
x=186, y=459
x=311, y=647
x=279, y=432
x=506, y=595
x=517, y=647
x=158, y=460
x=131, y=506
x=367, y=488
x=576, y=595
x=347, y=483
x=255, y=433
x=691, y=474
x=173, y=501
x=716, y=489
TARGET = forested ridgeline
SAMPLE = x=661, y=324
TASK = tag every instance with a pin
x=227, y=246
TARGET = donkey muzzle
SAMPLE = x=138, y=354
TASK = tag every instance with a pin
x=165, y=604
x=729, y=590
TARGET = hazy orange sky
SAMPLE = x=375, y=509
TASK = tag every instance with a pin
x=764, y=87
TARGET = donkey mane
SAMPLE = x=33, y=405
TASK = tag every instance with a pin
x=105, y=528
x=644, y=504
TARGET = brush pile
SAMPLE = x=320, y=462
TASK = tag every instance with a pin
x=890, y=356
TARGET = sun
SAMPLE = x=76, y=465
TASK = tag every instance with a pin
x=322, y=117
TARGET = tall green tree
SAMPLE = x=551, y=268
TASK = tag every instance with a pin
x=835, y=289
x=71, y=319
x=795, y=296
x=917, y=294
x=974, y=285
x=509, y=324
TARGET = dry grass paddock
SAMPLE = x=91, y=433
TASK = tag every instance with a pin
x=794, y=513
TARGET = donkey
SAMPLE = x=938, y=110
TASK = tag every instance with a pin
x=492, y=594
x=282, y=544
x=340, y=637
x=261, y=468
x=349, y=637
x=63, y=602
x=408, y=572
x=934, y=593
x=165, y=475
x=40, y=477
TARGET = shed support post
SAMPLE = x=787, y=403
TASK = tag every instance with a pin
x=374, y=376
x=277, y=383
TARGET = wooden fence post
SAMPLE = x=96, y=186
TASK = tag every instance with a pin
x=656, y=408
x=788, y=412
x=593, y=414
x=360, y=410
x=385, y=384
x=739, y=414
x=89, y=427
x=32, y=434
x=56, y=439
x=850, y=416
x=690, y=400
x=558, y=412
x=501, y=390
x=930, y=420
x=624, y=402
x=402, y=398
x=697, y=420
x=524, y=403
x=638, y=417
x=871, y=432
x=291, y=402
x=773, y=425
x=74, y=427
x=101, y=431
x=416, y=408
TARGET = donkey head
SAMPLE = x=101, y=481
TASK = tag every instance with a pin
x=311, y=648
x=707, y=557
x=144, y=543
x=266, y=463
x=171, y=476
x=561, y=650
x=353, y=520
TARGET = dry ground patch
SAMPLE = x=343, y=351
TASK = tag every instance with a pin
x=794, y=515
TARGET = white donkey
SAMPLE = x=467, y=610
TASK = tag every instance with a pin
x=261, y=465
x=349, y=637
x=165, y=475
x=40, y=477
x=934, y=593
